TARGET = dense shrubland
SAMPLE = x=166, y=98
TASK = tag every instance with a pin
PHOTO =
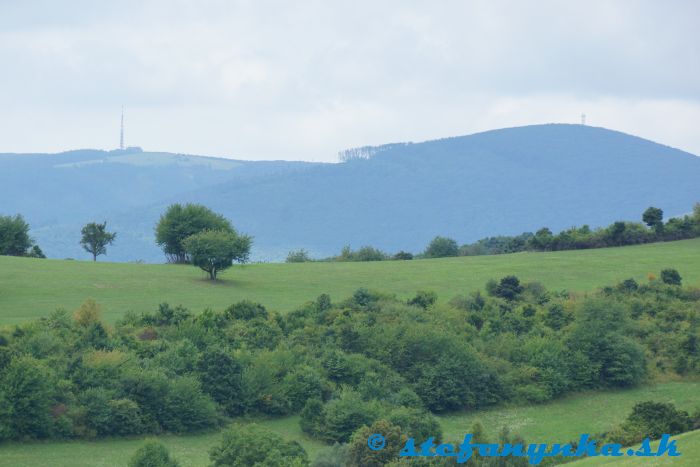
x=341, y=365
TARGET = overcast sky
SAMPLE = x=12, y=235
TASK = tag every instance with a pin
x=303, y=80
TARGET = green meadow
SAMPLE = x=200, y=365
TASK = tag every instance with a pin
x=30, y=288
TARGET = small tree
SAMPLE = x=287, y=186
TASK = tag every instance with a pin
x=441, y=247
x=216, y=250
x=179, y=222
x=654, y=218
x=152, y=454
x=298, y=256
x=96, y=238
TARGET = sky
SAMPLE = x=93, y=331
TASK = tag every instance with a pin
x=303, y=80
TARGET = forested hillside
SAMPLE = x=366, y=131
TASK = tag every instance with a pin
x=501, y=182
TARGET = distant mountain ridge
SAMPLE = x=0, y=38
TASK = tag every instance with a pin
x=394, y=197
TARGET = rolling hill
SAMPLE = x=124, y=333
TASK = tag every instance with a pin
x=395, y=197
x=30, y=288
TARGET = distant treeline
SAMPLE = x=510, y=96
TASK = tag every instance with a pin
x=653, y=229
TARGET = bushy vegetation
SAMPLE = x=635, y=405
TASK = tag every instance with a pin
x=651, y=420
x=152, y=454
x=576, y=238
x=340, y=365
x=15, y=239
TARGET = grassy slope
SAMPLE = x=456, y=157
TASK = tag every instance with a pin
x=566, y=419
x=559, y=421
x=30, y=288
x=688, y=444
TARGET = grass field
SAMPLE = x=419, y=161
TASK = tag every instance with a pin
x=559, y=421
x=688, y=445
x=30, y=288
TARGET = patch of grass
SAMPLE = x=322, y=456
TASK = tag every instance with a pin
x=688, y=445
x=31, y=288
x=566, y=419
x=190, y=450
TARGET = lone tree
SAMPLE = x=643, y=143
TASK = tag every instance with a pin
x=441, y=247
x=216, y=250
x=654, y=218
x=96, y=238
x=179, y=222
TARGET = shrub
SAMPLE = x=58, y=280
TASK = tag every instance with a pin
x=508, y=287
x=441, y=247
x=298, y=256
x=152, y=454
x=670, y=277
x=423, y=299
x=651, y=419
x=403, y=256
x=359, y=452
x=251, y=444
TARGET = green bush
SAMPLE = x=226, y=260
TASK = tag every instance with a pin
x=251, y=444
x=152, y=454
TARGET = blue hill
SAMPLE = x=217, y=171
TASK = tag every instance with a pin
x=394, y=197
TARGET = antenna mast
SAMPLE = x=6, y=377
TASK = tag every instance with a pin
x=121, y=134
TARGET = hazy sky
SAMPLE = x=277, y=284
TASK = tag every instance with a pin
x=303, y=80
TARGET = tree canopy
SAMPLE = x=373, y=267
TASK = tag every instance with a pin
x=216, y=250
x=179, y=222
x=95, y=239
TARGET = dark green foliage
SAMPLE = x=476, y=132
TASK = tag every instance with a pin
x=508, y=287
x=366, y=253
x=340, y=365
x=403, y=256
x=14, y=236
x=361, y=455
x=651, y=419
x=423, y=299
x=628, y=285
x=416, y=423
x=252, y=445
x=654, y=218
x=95, y=239
x=179, y=222
x=441, y=247
x=26, y=393
x=601, y=333
x=152, y=454
x=341, y=417
x=671, y=277
x=221, y=377
x=246, y=310
x=35, y=252
x=216, y=250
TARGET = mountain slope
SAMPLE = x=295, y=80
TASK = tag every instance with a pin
x=493, y=183
x=499, y=182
